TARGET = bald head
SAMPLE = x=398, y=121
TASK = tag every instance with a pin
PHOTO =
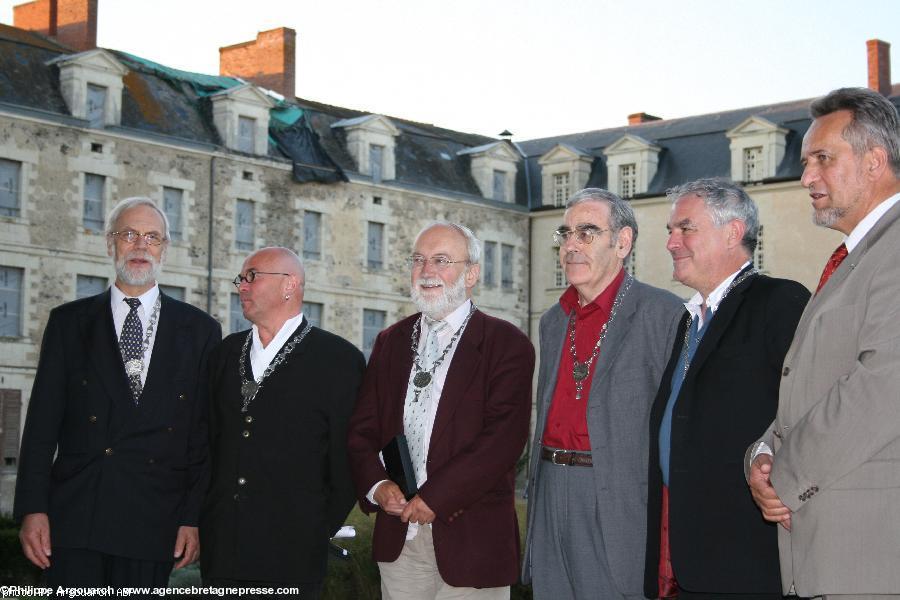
x=285, y=259
x=276, y=293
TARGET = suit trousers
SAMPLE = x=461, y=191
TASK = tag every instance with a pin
x=568, y=554
x=414, y=576
x=78, y=567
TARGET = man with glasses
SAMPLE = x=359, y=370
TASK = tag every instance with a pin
x=457, y=384
x=114, y=454
x=705, y=538
x=282, y=393
x=603, y=350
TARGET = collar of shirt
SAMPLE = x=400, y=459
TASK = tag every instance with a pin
x=120, y=308
x=454, y=320
x=604, y=301
x=261, y=358
x=714, y=298
x=866, y=225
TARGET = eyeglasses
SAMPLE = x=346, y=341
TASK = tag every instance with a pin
x=584, y=234
x=130, y=236
x=250, y=277
x=438, y=263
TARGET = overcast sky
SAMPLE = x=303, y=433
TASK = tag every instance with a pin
x=536, y=67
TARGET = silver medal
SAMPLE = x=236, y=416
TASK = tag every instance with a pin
x=134, y=367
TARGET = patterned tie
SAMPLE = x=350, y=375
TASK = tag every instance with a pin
x=415, y=413
x=131, y=344
x=837, y=257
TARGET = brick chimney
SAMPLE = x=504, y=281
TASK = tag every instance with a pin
x=879, y=55
x=268, y=62
x=641, y=117
x=71, y=22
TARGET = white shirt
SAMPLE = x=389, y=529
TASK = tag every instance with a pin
x=713, y=300
x=261, y=357
x=851, y=241
x=455, y=320
x=120, y=310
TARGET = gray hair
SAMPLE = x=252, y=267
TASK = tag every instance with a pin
x=726, y=201
x=620, y=212
x=875, y=121
x=128, y=203
x=473, y=244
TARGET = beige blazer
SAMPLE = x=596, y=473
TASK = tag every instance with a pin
x=836, y=436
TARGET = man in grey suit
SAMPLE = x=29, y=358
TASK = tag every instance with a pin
x=604, y=347
x=828, y=468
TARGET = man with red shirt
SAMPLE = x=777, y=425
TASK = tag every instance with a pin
x=603, y=349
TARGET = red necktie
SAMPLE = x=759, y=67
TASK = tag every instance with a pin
x=837, y=257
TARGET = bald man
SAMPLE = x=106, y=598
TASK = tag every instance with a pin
x=282, y=394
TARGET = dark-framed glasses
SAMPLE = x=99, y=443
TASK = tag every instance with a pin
x=438, y=263
x=583, y=234
x=130, y=236
x=250, y=277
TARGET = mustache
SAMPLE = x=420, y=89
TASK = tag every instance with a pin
x=139, y=254
x=429, y=281
x=575, y=258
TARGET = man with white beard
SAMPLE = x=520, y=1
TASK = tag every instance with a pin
x=114, y=453
x=457, y=384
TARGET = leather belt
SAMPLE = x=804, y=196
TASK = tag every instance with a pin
x=568, y=458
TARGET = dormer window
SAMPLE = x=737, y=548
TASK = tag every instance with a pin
x=561, y=189
x=757, y=148
x=246, y=141
x=371, y=143
x=499, y=186
x=96, y=105
x=241, y=116
x=91, y=84
x=564, y=169
x=494, y=168
x=631, y=164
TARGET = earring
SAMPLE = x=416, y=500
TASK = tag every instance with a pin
x=287, y=297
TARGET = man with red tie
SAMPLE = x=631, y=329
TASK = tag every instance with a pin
x=828, y=468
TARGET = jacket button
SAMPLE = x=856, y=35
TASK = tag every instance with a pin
x=92, y=418
x=151, y=461
x=237, y=497
x=108, y=452
x=170, y=429
x=84, y=382
x=242, y=481
x=246, y=433
x=248, y=419
x=786, y=371
x=181, y=396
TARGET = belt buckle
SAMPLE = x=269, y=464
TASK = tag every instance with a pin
x=558, y=452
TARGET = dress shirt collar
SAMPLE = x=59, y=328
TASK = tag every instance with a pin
x=454, y=319
x=714, y=298
x=866, y=225
x=279, y=339
x=148, y=299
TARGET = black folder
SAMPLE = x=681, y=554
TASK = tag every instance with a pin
x=398, y=465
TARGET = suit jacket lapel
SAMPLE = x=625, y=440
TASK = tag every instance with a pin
x=465, y=362
x=102, y=346
x=614, y=341
x=171, y=334
x=552, y=348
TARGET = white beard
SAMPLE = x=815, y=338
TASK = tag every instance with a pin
x=451, y=297
x=142, y=277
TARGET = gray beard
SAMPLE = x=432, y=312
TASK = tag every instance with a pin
x=451, y=298
x=828, y=216
x=129, y=276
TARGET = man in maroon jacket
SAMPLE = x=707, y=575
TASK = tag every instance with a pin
x=457, y=383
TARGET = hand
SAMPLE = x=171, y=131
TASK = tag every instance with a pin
x=764, y=494
x=417, y=511
x=35, y=538
x=389, y=497
x=187, y=546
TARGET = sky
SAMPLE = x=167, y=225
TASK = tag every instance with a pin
x=538, y=68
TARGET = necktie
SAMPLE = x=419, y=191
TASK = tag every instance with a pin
x=131, y=345
x=416, y=412
x=837, y=257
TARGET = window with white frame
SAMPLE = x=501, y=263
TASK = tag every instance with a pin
x=376, y=162
x=627, y=180
x=96, y=105
x=489, y=261
x=560, y=189
x=313, y=313
x=373, y=323
x=559, y=274
x=506, y=266
x=88, y=285
x=244, y=227
x=759, y=254
x=499, y=185
x=312, y=235
x=172, y=206
x=173, y=291
x=375, y=245
x=94, y=192
x=236, y=315
x=753, y=163
x=10, y=175
x=10, y=423
x=11, y=301
x=246, y=141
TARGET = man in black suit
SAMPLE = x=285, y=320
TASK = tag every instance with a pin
x=705, y=537
x=120, y=399
x=282, y=394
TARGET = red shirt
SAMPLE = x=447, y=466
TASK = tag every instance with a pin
x=567, y=418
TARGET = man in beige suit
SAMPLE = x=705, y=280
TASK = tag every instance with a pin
x=828, y=468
